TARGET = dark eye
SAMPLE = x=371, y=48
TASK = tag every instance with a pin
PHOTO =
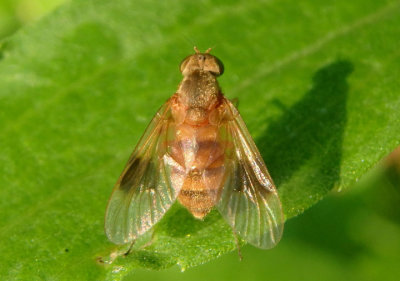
x=220, y=66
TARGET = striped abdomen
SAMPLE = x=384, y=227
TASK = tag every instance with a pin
x=201, y=156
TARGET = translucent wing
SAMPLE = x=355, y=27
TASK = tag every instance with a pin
x=249, y=200
x=144, y=191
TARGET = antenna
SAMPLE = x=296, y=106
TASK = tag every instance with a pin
x=198, y=52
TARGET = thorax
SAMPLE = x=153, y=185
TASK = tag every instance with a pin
x=197, y=96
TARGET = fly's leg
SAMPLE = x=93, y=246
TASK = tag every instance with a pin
x=130, y=248
x=141, y=247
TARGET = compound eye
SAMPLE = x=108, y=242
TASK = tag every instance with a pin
x=220, y=66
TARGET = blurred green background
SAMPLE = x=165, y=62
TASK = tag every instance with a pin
x=16, y=13
x=354, y=235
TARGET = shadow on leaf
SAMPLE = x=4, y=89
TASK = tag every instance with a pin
x=147, y=259
x=178, y=222
x=308, y=137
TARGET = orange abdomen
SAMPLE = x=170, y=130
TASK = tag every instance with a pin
x=201, y=155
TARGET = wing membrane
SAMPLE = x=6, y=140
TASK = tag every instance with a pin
x=249, y=200
x=144, y=191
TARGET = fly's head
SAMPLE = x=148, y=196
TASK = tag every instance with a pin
x=202, y=62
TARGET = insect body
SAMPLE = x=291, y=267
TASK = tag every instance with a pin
x=196, y=150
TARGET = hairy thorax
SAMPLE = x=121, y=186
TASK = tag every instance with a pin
x=198, y=95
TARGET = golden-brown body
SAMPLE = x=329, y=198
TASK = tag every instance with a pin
x=195, y=146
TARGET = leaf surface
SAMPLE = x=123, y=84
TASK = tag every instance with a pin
x=318, y=88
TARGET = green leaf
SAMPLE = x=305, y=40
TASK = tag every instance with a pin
x=317, y=83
